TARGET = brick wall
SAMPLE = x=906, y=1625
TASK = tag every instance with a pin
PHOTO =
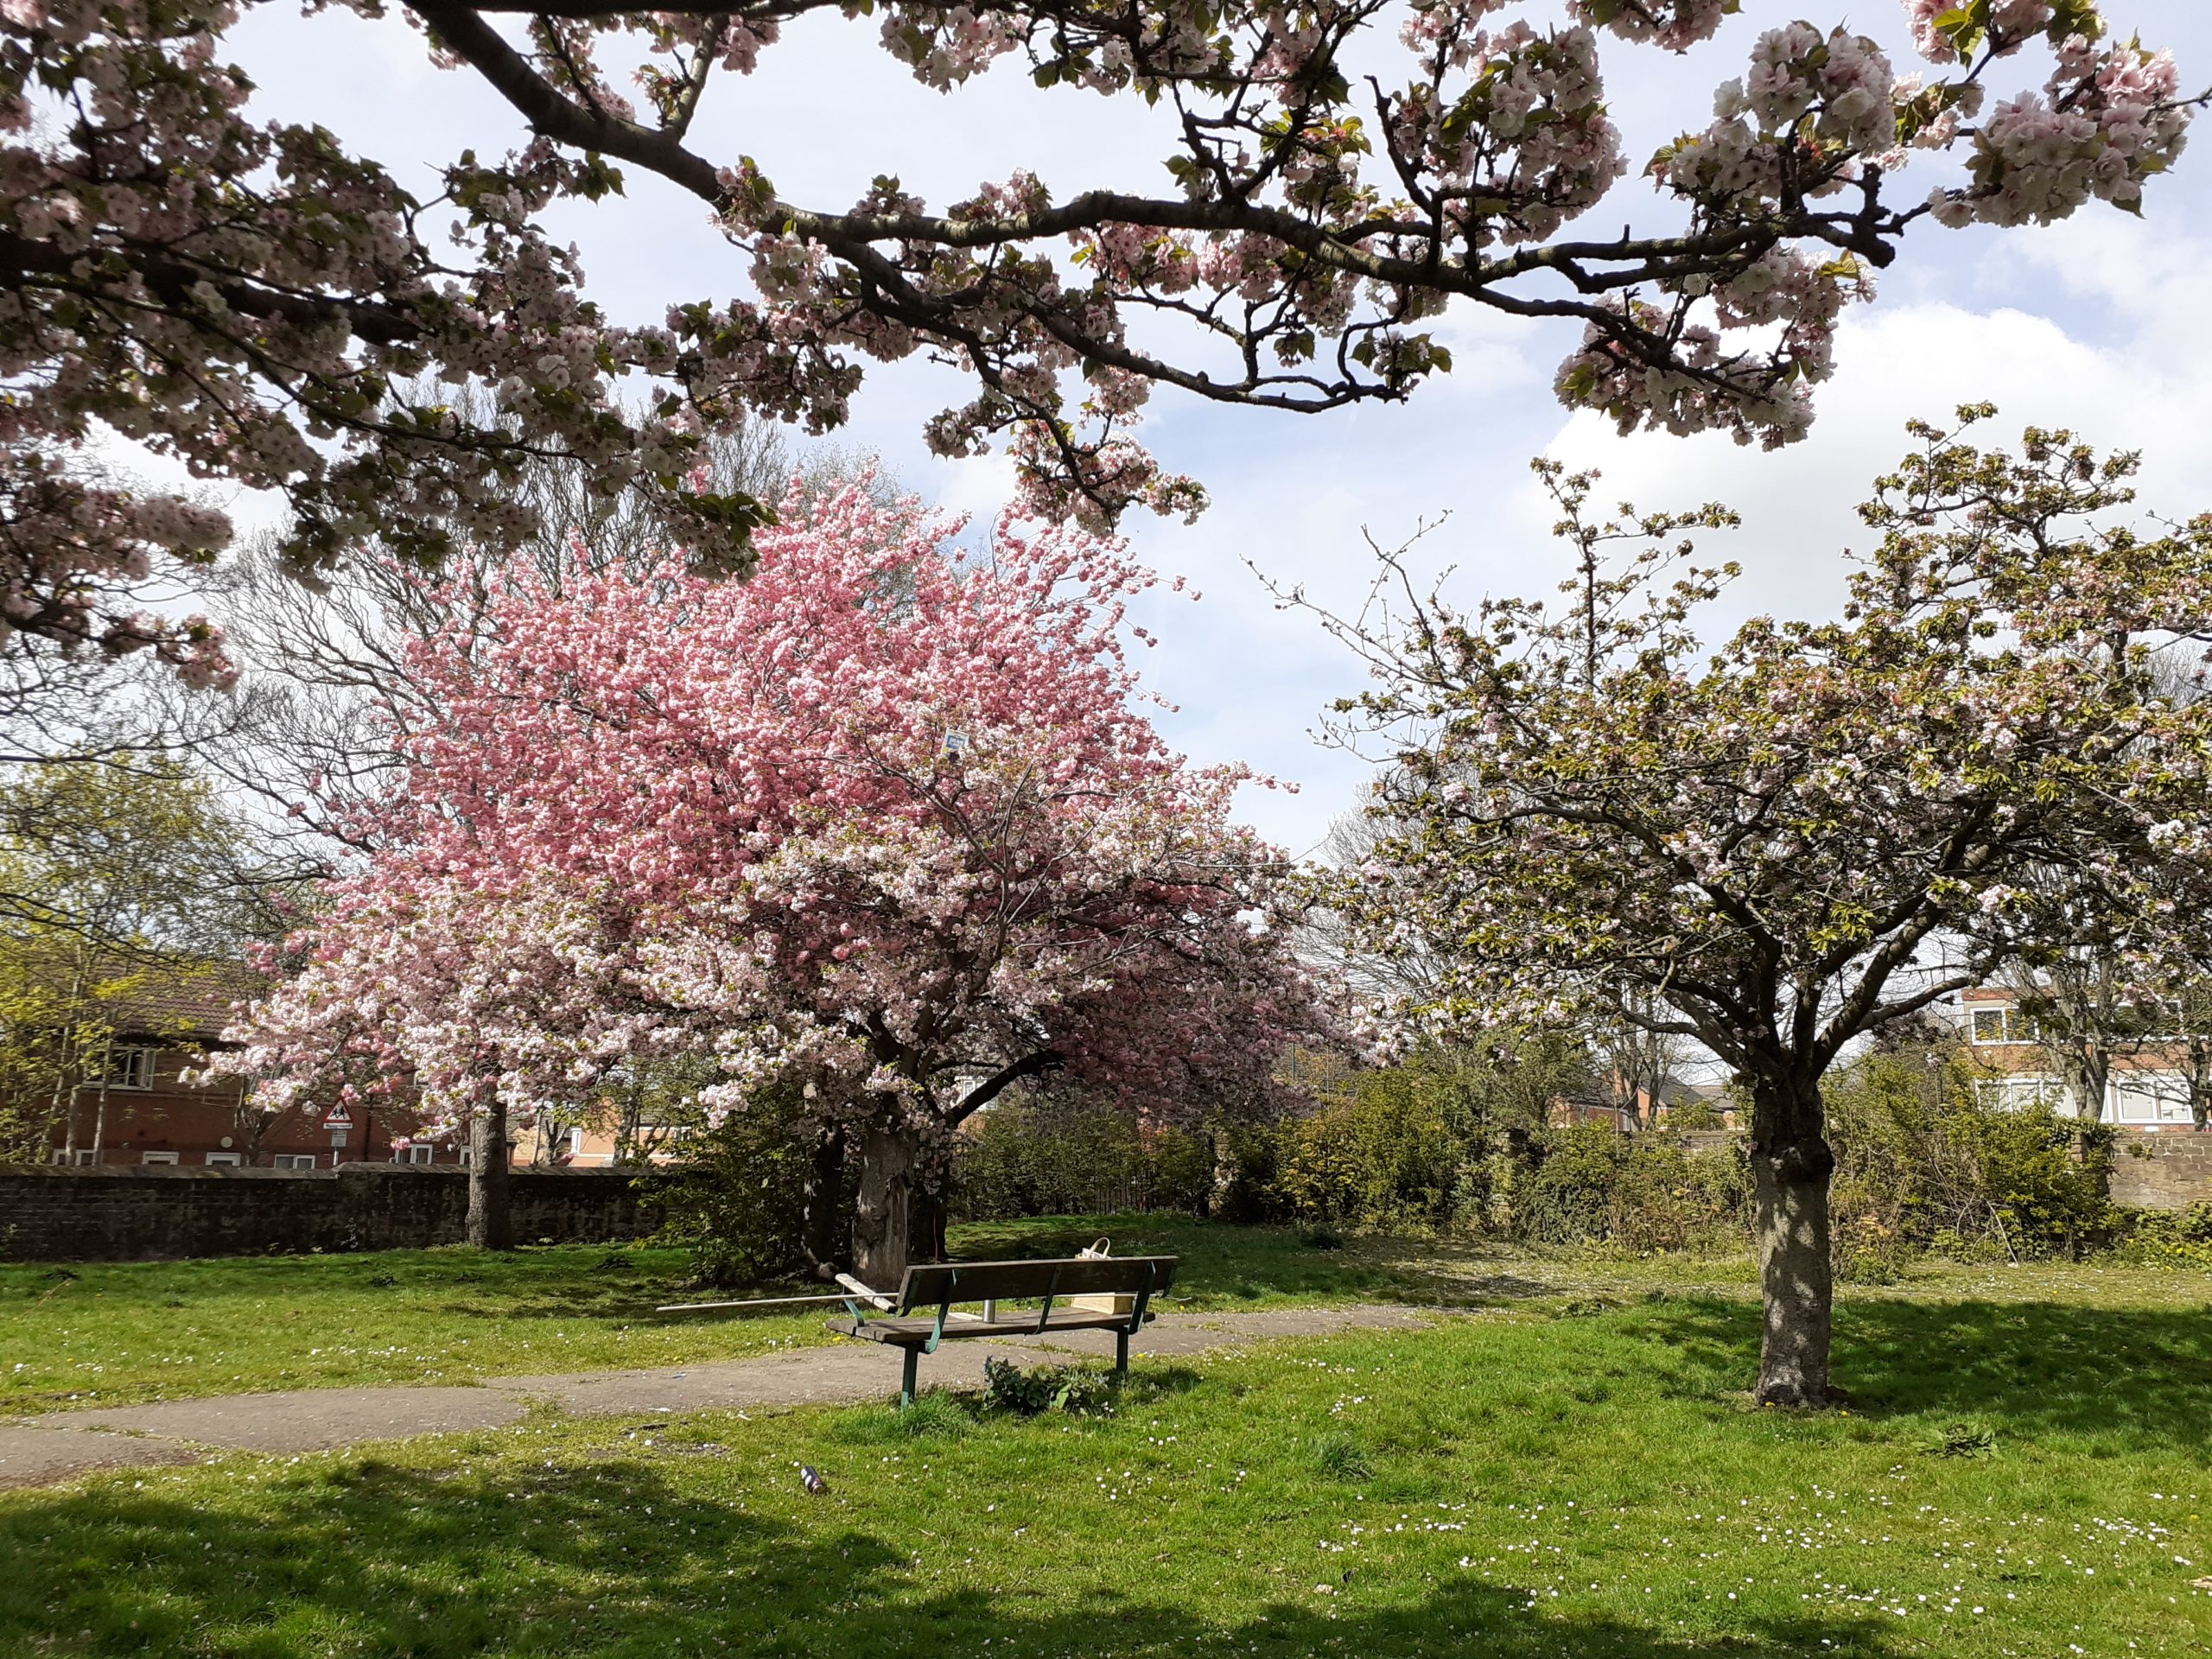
x=2162, y=1171
x=49, y=1214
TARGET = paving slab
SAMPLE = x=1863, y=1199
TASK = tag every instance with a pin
x=31, y=1455
x=304, y=1420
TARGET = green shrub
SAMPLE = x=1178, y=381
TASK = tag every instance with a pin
x=1046, y=1155
x=1317, y=1166
x=1568, y=1197
x=2164, y=1238
x=1244, y=1189
x=1079, y=1391
x=1667, y=1197
x=1920, y=1167
x=738, y=1201
x=2043, y=1174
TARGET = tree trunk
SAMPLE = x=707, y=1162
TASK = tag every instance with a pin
x=2092, y=1077
x=1791, y=1164
x=884, y=1221
x=822, y=1235
x=929, y=1241
x=490, y=1209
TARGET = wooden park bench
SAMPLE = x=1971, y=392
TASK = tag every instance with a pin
x=1116, y=1293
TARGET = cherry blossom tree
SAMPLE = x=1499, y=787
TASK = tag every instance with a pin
x=883, y=822
x=256, y=301
x=1815, y=830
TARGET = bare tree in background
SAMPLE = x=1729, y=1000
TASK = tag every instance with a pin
x=1412, y=976
x=330, y=695
x=1635, y=1056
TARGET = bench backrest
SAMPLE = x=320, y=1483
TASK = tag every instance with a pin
x=940, y=1282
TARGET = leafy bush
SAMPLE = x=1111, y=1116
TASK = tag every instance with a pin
x=1045, y=1156
x=739, y=1201
x=1567, y=1198
x=1244, y=1189
x=2042, y=1174
x=1921, y=1166
x=2165, y=1238
x=1076, y=1390
x=1667, y=1198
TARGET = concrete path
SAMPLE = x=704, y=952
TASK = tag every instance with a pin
x=42, y=1451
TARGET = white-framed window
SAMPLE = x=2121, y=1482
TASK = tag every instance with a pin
x=2001, y=1024
x=130, y=1066
x=2150, y=1099
x=2016, y=1094
x=157, y=1157
x=576, y=1142
x=417, y=1153
x=294, y=1161
x=468, y=1156
x=218, y=1159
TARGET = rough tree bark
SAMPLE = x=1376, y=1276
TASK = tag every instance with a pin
x=490, y=1208
x=824, y=1234
x=883, y=1220
x=1791, y=1165
x=929, y=1243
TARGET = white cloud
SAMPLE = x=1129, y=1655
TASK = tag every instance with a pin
x=2150, y=391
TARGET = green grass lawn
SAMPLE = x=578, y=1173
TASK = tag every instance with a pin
x=120, y=1333
x=113, y=1333
x=2018, y=1474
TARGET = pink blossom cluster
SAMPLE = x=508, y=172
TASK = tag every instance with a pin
x=2103, y=126
x=1677, y=25
x=1939, y=26
x=882, y=819
x=70, y=553
x=249, y=300
x=1809, y=107
x=1528, y=146
x=1754, y=396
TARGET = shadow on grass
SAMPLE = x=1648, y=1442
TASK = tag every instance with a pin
x=2129, y=1378
x=609, y=1558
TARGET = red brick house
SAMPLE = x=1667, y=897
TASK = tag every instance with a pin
x=138, y=1108
x=2012, y=1066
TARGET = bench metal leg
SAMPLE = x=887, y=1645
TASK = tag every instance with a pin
x=906, y=1379
x=1122, y=1350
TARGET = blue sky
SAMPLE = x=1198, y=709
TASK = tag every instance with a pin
x=2099, y=323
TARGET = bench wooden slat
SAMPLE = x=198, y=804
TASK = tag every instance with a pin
x=930, y=1284
x=902, y=1332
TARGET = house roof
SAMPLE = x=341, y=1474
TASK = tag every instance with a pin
x=193, y=1001
x=169, y=998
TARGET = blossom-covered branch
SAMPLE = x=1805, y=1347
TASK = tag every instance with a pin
x=258, y=301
